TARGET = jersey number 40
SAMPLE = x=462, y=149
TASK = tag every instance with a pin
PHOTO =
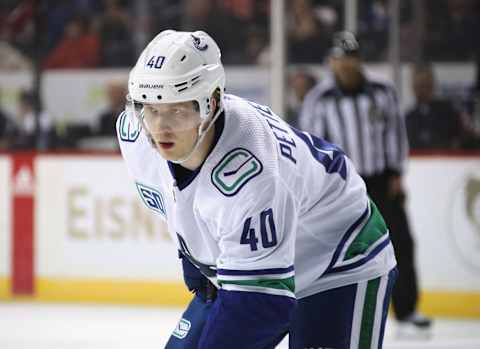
x=268, y=232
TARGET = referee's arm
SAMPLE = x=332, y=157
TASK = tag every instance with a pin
x=396, y=146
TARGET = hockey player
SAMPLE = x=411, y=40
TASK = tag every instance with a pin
x=274, y=226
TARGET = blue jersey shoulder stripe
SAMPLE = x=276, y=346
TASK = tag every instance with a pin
x=362, y=261
x=345, y=238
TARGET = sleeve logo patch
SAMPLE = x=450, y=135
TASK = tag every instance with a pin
x=152, y=198
x=182, y=329
x=128, y=129
x=234, y=171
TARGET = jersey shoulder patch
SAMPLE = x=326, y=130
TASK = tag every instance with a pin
x=152, y=198
x=235, y=170
x=128, y=130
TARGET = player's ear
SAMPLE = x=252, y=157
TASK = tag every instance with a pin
x=213, y=102
x=331, y=62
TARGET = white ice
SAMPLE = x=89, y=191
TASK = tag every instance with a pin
x=60, y=326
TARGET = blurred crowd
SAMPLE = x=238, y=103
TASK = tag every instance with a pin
x=109, y=33
x=19, y=132
x=90, y=34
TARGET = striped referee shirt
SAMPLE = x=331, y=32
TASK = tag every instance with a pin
x=366, y=124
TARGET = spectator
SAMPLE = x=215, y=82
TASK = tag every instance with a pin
x=300, y=82
x=229, y=31
x=451, y=30
x=12, y=59
x=308, y=37
x=242, y=9
x=18, y=27
x=116, y=93
x=101, y=135
x=254, y=12
x=78, y=48
x=432, y=123
x=472, y=140
x=26, y=136
x=256, y=45
x=117, y=49
x=7, y=130
x=373, y=28
x=172, y=15
x=471, y=116
x=59, y=14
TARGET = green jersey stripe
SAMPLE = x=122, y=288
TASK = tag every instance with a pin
x=256, y=277
x=373, y=230
x=368, y=315
x=280, y=284
x=272, y=291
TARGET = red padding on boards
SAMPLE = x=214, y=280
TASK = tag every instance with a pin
x=23, y=189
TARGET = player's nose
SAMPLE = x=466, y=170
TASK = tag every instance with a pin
x=163, y=125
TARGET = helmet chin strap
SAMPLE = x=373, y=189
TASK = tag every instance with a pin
x=200, y=136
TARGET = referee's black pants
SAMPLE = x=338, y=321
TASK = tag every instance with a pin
x=405, y=292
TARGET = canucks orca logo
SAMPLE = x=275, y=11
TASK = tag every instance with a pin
x=234, y=171
x=152, y=198
x=128, y=129
x=464, y=217
x=472, y=200
x=198, y=43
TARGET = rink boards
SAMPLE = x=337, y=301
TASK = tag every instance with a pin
x=93, y=240
x=5, y=230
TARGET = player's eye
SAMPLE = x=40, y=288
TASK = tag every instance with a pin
x=152, y=110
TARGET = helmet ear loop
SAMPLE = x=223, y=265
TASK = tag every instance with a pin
x=209, y=105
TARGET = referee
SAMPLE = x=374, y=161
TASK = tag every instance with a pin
x=361, y=114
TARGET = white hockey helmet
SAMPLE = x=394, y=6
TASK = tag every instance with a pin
x=178, y=67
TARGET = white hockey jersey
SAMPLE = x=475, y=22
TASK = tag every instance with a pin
x=272, y=209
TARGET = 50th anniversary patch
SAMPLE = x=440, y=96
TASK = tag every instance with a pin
x=152, y=198
x=235, y=169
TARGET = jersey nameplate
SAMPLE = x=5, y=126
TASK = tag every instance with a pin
x=235, y=169
x=129, y=130
x=152, y=198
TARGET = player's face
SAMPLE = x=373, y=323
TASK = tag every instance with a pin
x=173, y=127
